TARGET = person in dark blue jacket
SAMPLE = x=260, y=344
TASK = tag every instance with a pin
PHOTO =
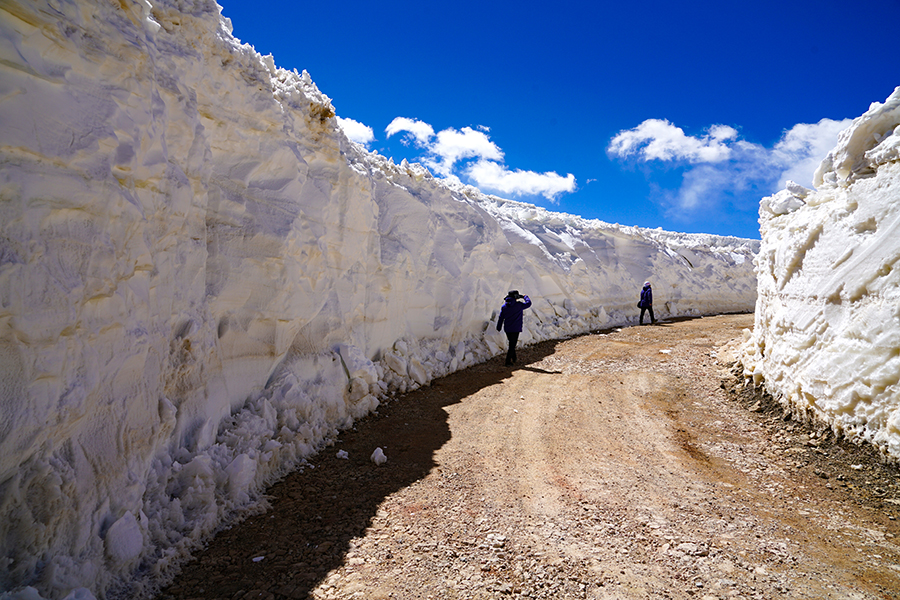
x=511, y=315
x=646, y=303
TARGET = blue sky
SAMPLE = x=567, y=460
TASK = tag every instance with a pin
x=657, y=114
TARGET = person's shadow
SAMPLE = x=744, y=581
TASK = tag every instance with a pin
x=544, y=371
x=316, y=512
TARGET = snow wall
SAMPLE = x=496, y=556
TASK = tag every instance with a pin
x=826, y=339
x=202, y=281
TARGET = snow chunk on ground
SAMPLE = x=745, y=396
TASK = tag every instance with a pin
x=378, y=457
x=124, y=540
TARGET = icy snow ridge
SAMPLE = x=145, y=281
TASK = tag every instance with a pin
x=202, y=280
x=827, y=329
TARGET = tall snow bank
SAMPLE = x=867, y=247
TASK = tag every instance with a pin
x=202, y=280
x=827, y=333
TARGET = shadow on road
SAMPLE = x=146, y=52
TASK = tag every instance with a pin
x=542, y=371
x=316, y=513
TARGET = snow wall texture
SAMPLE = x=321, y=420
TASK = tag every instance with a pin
x=826, y=339
x=202, y=281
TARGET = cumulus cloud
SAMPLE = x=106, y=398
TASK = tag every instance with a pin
x=658, y=139
x=418, y=132
x=718, y=164
x=356, y=131
x=451, y=146
x=469, y=153
x=493, y=176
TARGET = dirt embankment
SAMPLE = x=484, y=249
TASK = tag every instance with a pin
x=623, y=464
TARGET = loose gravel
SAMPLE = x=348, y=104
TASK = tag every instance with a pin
x=630, y=463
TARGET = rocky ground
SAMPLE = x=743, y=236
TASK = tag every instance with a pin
x=630, y=463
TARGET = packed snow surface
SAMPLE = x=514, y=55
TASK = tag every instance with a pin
x=202, y=281
x=826, y=339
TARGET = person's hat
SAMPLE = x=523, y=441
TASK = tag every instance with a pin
x=513, y=294
x=646, y=284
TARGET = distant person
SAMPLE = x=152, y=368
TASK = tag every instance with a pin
x=511, y=314
x=646, y=303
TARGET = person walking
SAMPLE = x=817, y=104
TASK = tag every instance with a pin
x=646, y=303
x=511, y=316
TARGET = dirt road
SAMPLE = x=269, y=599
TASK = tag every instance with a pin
x=624, y=464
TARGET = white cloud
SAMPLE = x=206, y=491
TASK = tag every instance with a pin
x=702, y=186
x=419, y=131
x=804, y=146
x=493, y=176
x=719, y=165
x=658, y=139
x=356, y=131
x=452, y=146
x=469, y=154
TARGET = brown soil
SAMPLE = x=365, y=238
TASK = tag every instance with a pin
x=623, y=464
